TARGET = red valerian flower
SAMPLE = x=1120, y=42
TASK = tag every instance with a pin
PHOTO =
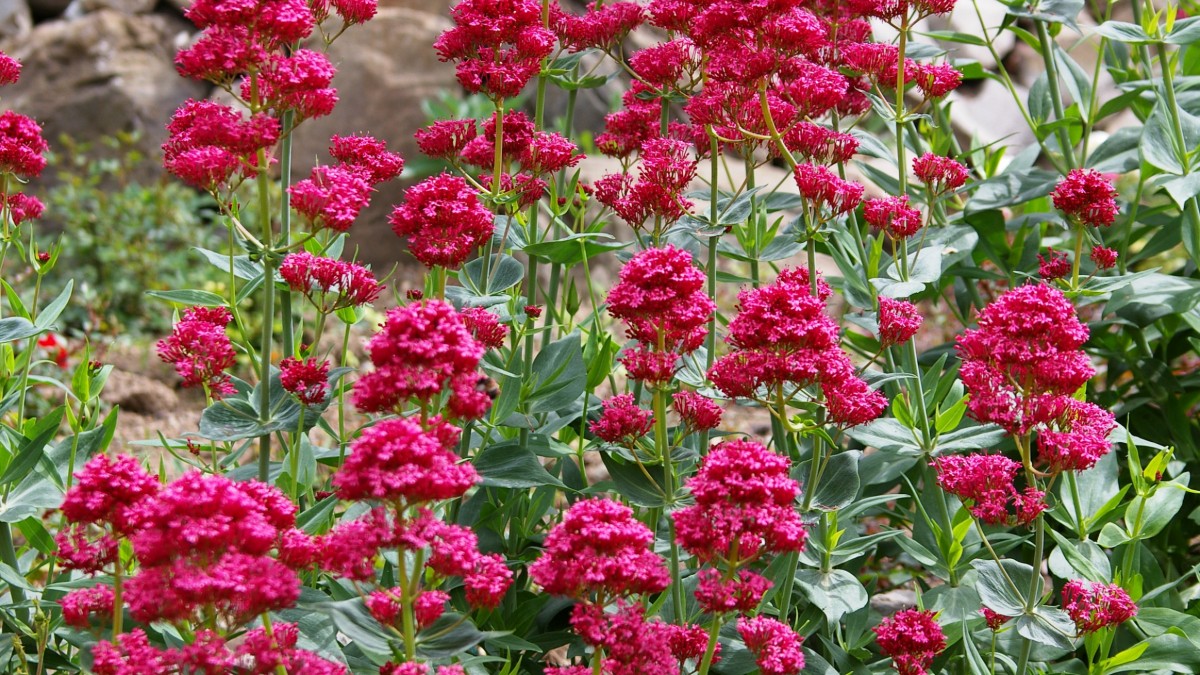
x=696, y=412
x=398, y=459
x=443, y=221
x=332, y=196
x=941, y=174
x=10, y=69
x=935, y=81
x=1077, y=438
x=599, y=547
x=485, y=327
x=893, y=215
x=602, y=27
x=743, y=494
x=22, y=147
x=307, y=380
x=985, y=484
x=299, y=81
x=330, y=284
x=80, y=605
x=368, y=154
x=445, y=139
x=1055, y=265
x=825, y=191
x=1086, y=197
x=716, y=595
x=665, y=171
x=993, y=619
x=1105, y=258
x=631, y=643
x=776, y=647
x=210, y=142
x=661, y=298
x=1094, y=605
x=899, y=321
x=499, y=45
x=912, y=638
x=200, y=349
x=622, y=421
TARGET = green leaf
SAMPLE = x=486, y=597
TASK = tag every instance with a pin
x=835, y=593
x=1184, y=32
x=839, y=482
x=237, y=418
x=16, y=328
x=1053, y=11
x=1074, y=559
x=314, y=518
x=1078, y=82
x=634, y=485
x=559, y=375
x=450, y=635
x=190, y=297
x=508, y=464
x=1048, y=626
x=30, y=451
x=502, y=275
x=55, y=309
x=1162, y=652
x=1112, y=536
x=885, y=433
x=572, y=249
x=1154, y=621
x=243, y=267
x=37, y=535
x=1129, y=33
x=1153, y=513
x=1118, y=153
x=995, y=590
x=30, y=498
x=1158, y=139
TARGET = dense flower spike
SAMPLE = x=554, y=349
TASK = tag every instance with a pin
x=422, y=350
x=631, y=643
x=827, y=193
x=398, y=459
x=10, y=69
x=743, y=494
x=445, y=139
x=110, y=491
x=81, y=605
x=715, y=594
x=210, y=142
x=332, y=197
x=204, y=545
x=661, y=298
x=1086, y=197
x=1023, y=361
x=912, y=638
x=940, y=174
x=776, y=647
x=1105, y=258
x=985, y=484
x=307, y=380
x=1094, y=605
x=485, y=327
x=599, y=548
x=443, y=221
x=200, y=350
x=781, y=335
x=328, y=283
x=892, y=215
x=622, y=421
x=22, y=147
x=1077, y=438
x=899, y=321
x=298, y=82
x=1054, y=265
x=603, y=26
x=665, y=171
x=696, y=412
x=498, y=45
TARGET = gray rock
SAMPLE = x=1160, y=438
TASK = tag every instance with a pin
x=102, y=73
x=47, y=9
x=139, y=394
x=893, y=601
x=15, y=18
x=81, y=7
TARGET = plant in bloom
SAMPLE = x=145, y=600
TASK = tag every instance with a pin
x=912, y=638
x=1095, y=606
x=329, y=284
x=1087, y=198
x=776, y=647
x=443, y=221
x=201, y=351
x=622, y=421
x=899, y=321
x=986, y=483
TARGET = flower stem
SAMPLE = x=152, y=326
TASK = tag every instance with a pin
x=710, y=651
x=268, y=319
x=269, y=630
x=663, y=446
x=1056, y=101
x=1192, y=220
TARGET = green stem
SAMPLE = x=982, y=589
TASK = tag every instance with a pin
x=8, y=555
x=1039, y=547
x=1078, y=254
x=1056, y=101
x=285, y=226
x=297, y=440
x=710, y=651
x=1192, y=221
x=663, y=446
x=118, y=617
x=268, y=318
x=269, y=630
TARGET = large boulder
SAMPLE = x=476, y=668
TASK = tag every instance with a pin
x=102, y=73
x=386, y=68
x=15, y=18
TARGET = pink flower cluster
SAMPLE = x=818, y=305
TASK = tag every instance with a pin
x=257, y=654
x=22, y=153
x=782, y=336
x=498, y=45
x=1094, y=606
x=422, y=350
x=209, y=143
x=666, y=169
x=603, y=26
x=622, y=421
x=631, y=643
x=743, y=494
x=351, y=548
x=443, y=221
x=599, y=548
x=108, y=496
x=912, y=638
x=776, y=647
x=399, y=460
x=1086, y=197
x=306, y=379
x=333, y=196
x=661, y=299
x=939, y=174
x=893, y=215
x=328, y=283
x=200, y=350
x=899, y=321
x=986, y=482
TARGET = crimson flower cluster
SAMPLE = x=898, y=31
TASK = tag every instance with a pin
x=666, y=169
x=443, y=221
x=776, y=647
x=782, y=336
x=1095, y=606
x=200, y=350
x=661, y=299
x=899, y=321
x=986, y=482
x=305, y=379
x=912, y=638
x=498, y=45
x=22, y=154
x=328, y=283
x=256, y=654
x=423, y=350
x=333, y=196
x=400, y=460
x=1087, y=198
x=632, y=643
x=622, y=421
x=1023, y=365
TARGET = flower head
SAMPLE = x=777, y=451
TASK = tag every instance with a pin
x=1077, y=438
x=1105, y=258
x=1087, y=197
x=623, y=421
x=661, y=298
x=892, y=215
x=940, y=174
x=330, y=284
x=985, y=483
x=776, y=647
x=498, y=45
x=599, y=548
x=1055, y=265
x=1094, y=605
x=22, y=147
x=307, y=380
x=899, y=321
x=912, y=638
x=398, y=459
x=443, y=221
x=696, y=412
x=200, y=349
